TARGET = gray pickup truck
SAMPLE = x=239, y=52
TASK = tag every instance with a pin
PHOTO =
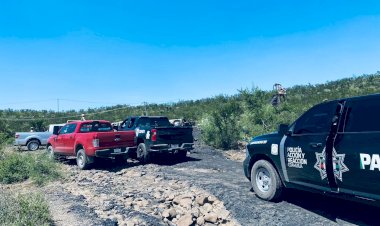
x=33, y=140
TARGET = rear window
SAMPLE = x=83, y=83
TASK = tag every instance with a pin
x=96, y=127
x=159, y=122
x=363, y=116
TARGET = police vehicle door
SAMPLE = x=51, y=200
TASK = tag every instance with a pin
x=358, y=146
x=304, y=149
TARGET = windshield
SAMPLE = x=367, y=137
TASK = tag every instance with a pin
x=96, y=127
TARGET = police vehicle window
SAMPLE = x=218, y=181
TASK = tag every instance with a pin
x=124, y=124
x=159, y=122
x=363, y=116
x=143, y=122
x=131, y=122
x=316, y=120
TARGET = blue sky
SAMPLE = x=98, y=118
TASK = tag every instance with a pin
x=101, y=53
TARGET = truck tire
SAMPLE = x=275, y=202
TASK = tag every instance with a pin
x=143, y=154
x=266, y=182
x=33, y=145
x=82, y=160
x=51, y=153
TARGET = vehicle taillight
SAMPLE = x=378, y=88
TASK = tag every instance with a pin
x=154, y=135
x=95, y=143
x=17, y=135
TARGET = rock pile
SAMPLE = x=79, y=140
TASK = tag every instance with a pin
x=144, y=196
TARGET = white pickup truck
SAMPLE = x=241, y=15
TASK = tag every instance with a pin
x=33, y=140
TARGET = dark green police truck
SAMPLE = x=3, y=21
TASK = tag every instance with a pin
x=333, y=148
x=155, y=134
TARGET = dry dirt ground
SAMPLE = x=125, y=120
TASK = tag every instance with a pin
x=207, y=188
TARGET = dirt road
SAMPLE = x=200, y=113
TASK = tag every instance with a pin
x=206, y=188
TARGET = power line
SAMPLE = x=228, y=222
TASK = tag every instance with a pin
x=90, y=102
x=26, y=102
x=65, y=117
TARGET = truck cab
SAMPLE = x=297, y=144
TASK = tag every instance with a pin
x=333, y=148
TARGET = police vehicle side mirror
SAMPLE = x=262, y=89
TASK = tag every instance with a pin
x=284, y=129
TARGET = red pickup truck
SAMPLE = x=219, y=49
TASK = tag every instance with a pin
x=90, y=139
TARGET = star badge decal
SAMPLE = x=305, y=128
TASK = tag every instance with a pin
x=338, y=164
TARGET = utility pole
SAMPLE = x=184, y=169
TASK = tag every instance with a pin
x=58, y=105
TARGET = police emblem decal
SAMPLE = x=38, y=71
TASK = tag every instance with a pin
x=338, y=164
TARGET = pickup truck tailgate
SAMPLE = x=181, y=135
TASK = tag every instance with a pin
x=174, y=135
x=116, y=139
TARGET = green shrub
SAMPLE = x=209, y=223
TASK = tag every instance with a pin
x=14, y=168
x=44, y=169
x=17, y=167
x=28, y=209
x=220, y=128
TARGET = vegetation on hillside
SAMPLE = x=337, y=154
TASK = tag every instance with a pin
x=224, y=120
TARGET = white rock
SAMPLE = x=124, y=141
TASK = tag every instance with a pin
x=211, y=217
x=165, y=214
x=185, y=203
x=200, y=221
x=207, y=207
x=195, y=212
x=223, y=214
x=186, y=220
x=211, y=199
x=201, y=200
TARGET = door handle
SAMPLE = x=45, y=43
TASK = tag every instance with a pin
x=316, y=145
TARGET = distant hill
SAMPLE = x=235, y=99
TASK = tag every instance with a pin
x=224, y=119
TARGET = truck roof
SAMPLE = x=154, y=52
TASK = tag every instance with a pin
x=150, y=116
x=89, y=121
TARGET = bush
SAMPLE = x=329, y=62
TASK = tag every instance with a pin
x=29, y=209
x=44, y=169
x=220, y=128
x=14, y=168
x=17, y=167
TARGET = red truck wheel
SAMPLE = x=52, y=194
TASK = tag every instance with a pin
x=82, y=160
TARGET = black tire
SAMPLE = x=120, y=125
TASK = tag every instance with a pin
x=266, y=182
x=82, y=160
x=50, y=151
x=143, y=154
x=33, y=145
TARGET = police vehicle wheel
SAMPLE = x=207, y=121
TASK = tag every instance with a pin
x=33, y=145
x=82, y=160
x=266, y=182
x=142, y=153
